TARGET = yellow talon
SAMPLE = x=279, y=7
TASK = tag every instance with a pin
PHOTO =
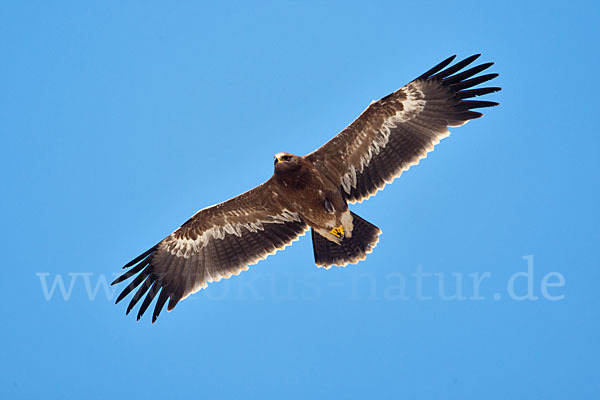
x=338, y=232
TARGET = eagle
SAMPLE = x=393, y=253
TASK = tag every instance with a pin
x=312, y=192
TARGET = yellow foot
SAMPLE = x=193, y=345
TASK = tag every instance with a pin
x=338, y=232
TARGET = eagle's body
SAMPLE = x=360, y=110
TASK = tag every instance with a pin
x=312, y=195
x=312, y=191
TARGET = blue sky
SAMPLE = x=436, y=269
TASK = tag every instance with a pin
x=119, y=121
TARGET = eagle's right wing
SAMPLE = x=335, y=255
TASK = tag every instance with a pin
x=217, y=242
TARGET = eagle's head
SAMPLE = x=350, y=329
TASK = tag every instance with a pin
x=285, y=162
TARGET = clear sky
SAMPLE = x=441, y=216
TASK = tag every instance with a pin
x=119, y=120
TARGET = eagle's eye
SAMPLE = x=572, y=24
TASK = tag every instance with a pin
x=283, y=158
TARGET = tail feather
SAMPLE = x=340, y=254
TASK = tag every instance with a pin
x=351, y=250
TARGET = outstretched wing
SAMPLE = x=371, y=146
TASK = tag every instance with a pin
x=217, y=242
x=398, y=130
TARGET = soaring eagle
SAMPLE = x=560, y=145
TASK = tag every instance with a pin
x=312, y=191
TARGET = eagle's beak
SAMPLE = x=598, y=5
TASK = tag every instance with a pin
x=279, y=160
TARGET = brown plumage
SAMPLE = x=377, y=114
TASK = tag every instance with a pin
x=312, y=191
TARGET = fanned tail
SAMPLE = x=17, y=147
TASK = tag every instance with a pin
x=351, y=250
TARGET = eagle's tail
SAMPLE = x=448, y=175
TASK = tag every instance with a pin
x=351, y=250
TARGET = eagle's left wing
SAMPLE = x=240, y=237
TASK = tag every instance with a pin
x=398, y=130
x=217, y=242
